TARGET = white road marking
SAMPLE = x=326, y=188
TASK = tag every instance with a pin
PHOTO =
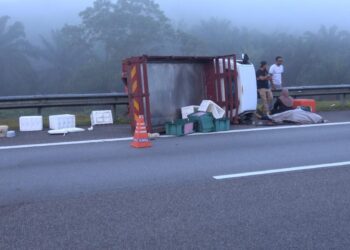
x=167, y=136
x=65, y=143
x=281, y=170
x=275, y=128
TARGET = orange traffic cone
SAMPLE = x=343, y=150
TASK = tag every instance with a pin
x=141, y=139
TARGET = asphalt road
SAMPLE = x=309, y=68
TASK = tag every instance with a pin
x=110, y=196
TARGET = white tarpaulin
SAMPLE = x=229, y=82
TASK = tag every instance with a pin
x=297, y=116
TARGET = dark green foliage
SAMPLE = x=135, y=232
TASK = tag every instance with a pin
x=16, y=72
x=68, y=62
x=87, y=57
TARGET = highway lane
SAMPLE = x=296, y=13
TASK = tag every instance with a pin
x=73, y=169
x=111, y=196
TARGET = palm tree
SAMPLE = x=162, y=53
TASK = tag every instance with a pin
x=15, y=53
x=64, y=54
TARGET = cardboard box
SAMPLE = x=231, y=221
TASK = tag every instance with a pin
x=3, y=130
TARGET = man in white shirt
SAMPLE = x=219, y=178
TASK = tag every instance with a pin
x=276, y=71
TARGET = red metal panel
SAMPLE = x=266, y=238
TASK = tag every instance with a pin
x=138, y=90
x=146, y=96
x=218, y=82
x=227, y=76
x=210, y=81
x=134, y=90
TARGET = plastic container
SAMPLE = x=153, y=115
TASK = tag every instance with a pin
x=185, y=111
x=174, y=128
x=213, y=108
x=204, y=122
x=305, y=103
x=188, y=128
x=11, y=133
x=179, y=128
x=222, y=124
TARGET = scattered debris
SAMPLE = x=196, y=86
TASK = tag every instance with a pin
x=11, y=133
x=65, y=131
x=3, y=130
x=153, y=136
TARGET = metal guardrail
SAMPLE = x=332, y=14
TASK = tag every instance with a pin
x=46, y=101
x=319, y=90
x=114, y=99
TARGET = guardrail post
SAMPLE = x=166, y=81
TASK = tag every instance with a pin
x=114, y=111
x=343, y=100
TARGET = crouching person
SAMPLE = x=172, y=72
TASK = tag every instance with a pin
x=284, y=102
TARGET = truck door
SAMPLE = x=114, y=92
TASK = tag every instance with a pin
x=222, y=86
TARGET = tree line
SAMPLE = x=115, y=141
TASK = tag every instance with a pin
x=86, y=58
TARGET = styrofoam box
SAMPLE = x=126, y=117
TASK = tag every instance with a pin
x=30, y=123
x=212, y=107
x=61, y=121
x=185, y=111
x=101, y=117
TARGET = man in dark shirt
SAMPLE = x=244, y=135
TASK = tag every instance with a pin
x=263, y=77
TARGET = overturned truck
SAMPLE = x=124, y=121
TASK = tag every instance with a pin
x=158, y=86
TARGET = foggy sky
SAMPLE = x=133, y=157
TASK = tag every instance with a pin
x=41, y=16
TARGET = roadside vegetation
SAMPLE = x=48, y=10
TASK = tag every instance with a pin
x=86, y=58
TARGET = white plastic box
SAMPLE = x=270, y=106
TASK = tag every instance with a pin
x=61, y=121
x=212, y=107
x=30, y=123
x=101, y=117
x=185, y=111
